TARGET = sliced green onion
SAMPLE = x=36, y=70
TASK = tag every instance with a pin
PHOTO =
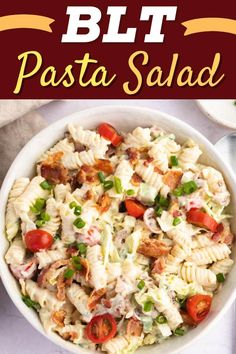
x=178, y=192
x=38, y=206
x=30, y=303
x=101, y=177
x=79, y=223
x=44, y=216
x=39, y=223
x=220, y=278
x=161, y=319
x=147, y=306
x=174, y=161
x=78, y=210
x=164, y=202
x=118, y=185
x=72, y=205
x=108, y=185
x=69, y=273
x=46, y=185
x=179, y=332
x=176, y=221
x=189, y=187
x=159, y=211
x=76, y=263
x=82, y=248
x=141, y=285
x=130, y=192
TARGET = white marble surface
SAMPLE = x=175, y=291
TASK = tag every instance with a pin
x=18, y=337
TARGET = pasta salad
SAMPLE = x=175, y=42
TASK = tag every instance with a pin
x=119, y=240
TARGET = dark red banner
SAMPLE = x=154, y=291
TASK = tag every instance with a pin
x=148, y=49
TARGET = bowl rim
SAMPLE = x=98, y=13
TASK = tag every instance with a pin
x=62, y=123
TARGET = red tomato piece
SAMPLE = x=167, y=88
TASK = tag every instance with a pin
x=198, y=307
x=201, y=219
x=37, y=240
x=101, y=328
x=109, y=133
x=134, y=208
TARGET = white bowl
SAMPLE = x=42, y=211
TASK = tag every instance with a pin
x=125, y=119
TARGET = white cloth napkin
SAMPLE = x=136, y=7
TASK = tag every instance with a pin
x=16, y=134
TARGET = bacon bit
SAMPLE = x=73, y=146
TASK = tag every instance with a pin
x=79, y=147
x=187, y=319
x=58, y=317
x=134, y=327
x=54, y=172
x=133, y=155
x=72, y=251
x=158, y=170
x=148, y=161
x=106, y=303
x=61, y=286
x=95, y=298
x=136, y=180
x=174, y=209
x=70, y=336
x=54, y=158
x=88, y=174
x=104, y=203
x=86, y=269
x=88, y=195
x=104, y=166
x=223, y=235
x=159, y=265
x=47, y=272
x=172, y=178
x=153, y=248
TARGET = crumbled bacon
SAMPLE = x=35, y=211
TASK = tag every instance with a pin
x=86, y=269
x=55, y=172
x=72, y=251
x=104, y=203
x=79, y=147
x=133, y=155
x=106, y=303
x=148, y=161
x=136, y=180
x=95, y=298
x=47, y=272
x=58, y=317
x=158, y=170
x=104, y=166
x=62, y=283
x=70, y=336
x=153, y=248
x=88, y=195
x=159, y=265
x=87, y=174
x=134, y=327
x=172, y=178
x=223, y=235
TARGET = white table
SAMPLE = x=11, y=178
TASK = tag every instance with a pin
x=18, y=337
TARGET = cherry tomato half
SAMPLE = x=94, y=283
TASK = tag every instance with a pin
x=37, y=240
x=109, y=133
x=201, y=219
x=134, y=208
x=198, y=307
x=101, y=328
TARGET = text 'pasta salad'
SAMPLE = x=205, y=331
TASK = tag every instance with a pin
x=120, y=240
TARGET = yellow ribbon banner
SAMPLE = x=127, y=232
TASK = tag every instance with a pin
x=210, y=24
x=37, y=22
